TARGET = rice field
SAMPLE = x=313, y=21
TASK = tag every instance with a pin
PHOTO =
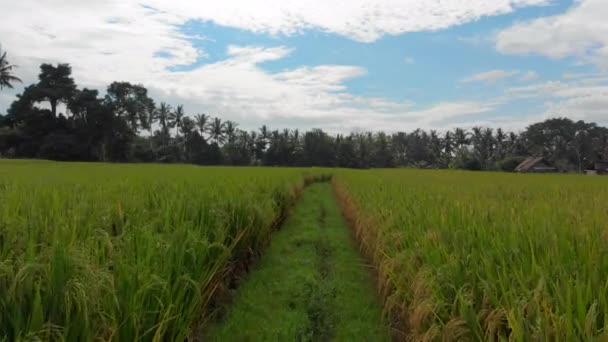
x=485, y=256
x=127, y=252
x=147, y=252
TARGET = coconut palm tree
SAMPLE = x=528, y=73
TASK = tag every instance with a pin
x=175, y=119
x=230, y=130
x=162, y=113
x=202, y=122
x=461, y=138
x=6, y=76
x=217, y=130
x=151, y=119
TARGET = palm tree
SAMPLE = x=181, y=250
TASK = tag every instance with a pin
x=513, y=142
x=217, y=130
x=435, y=146
x=448, y=147
x=500, y=141
x=263, y=138
x=202, y=122
x=6, y=68
x=461, y=138
x=580, y=143
x=188, y=126
x=162, y=114
x=230, y=130
x=151, y=119
x=176, y=119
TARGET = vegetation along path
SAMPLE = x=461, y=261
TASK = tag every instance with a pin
x=311, y=285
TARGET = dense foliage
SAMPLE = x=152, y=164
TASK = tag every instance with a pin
x=126, y=125
x=116, y=252
x=488, y=256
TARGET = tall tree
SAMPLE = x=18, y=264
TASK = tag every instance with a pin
x=461, y=138
x=230, y=128
x=163, y=112
x=202, y=121
x=176, y=117
x=501, y=143
x=55, y=85
x=383, y=156
x=435, y=147
x=6, y=72
x=217, y=130
x=131, y=102
x=83, y=102
x=187, y=127
x=581, y=145
x=151, y=120
x=447, y=149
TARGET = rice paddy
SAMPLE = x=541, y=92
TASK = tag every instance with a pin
x=485, y=256
x=159, y=252
x=127, y=252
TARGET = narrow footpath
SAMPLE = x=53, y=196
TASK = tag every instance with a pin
x=310, y=285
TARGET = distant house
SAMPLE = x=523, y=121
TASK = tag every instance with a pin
x=601, y=167
x=535, y=165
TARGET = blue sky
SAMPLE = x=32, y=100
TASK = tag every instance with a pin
x=398, y=66
x=360, y=65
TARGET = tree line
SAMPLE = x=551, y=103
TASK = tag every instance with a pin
x=55, y=119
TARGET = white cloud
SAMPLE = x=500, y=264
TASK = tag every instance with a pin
x=575, y=75
x=409, y=60
x=139, y=41
x=439, y=116
x=589, y=107
x=529, y=76
x=490, y=76
x=102, y=40
x=360, y=20
x=577, y=98
x=580, y=32
x=251, y=55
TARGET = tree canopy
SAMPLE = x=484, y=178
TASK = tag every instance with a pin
x=126, y=126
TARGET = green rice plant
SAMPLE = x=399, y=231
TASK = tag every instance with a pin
x=485, y=256
x=127, y=252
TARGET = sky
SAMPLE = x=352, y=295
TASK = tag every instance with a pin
x=342, y=65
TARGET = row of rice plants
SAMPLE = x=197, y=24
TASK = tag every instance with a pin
x=127, y=252
x=485, y=256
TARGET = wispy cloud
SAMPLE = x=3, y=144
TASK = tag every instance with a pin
x=580, y=32
x=578, y=98
x=364, y=21
x=529, y=76
x=490, y=76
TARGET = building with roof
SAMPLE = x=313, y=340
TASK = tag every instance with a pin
x=535, y=165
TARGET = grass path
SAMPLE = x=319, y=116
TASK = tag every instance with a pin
x=311, y=284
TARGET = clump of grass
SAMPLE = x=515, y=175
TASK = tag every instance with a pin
x=485, y=256
x=126, y=252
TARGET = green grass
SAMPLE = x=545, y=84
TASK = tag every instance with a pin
x=486, y=256
x=311, y=285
